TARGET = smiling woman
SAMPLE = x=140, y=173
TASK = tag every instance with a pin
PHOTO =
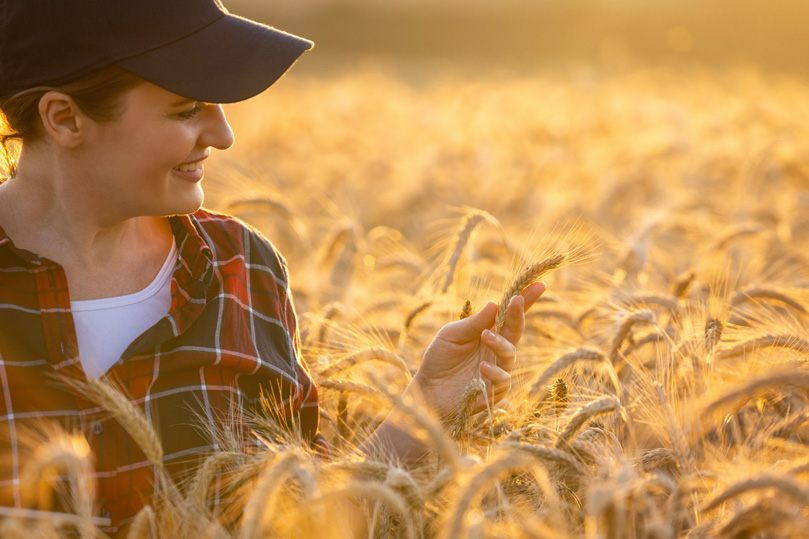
x=110, y=268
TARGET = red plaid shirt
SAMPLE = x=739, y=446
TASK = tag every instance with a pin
x=231, y=332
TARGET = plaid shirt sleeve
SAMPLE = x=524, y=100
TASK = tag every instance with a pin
x=229, y=339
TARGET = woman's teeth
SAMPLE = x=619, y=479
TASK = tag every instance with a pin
x=189, y=167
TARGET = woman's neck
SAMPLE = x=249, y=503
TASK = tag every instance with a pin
x=102, y=256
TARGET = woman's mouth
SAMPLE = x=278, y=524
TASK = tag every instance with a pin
x=190, y=172
x=189, y=167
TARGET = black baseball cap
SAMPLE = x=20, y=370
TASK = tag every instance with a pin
x=193, y=48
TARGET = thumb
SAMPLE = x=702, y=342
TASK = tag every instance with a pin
x=469, y=329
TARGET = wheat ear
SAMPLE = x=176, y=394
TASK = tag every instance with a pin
x=54, y=517
x=70, y=455
x=653, y=459
x=668, y=303
x=600, y=406
x=371, y=490
x=464, y=234
x=415, y=312
x=738, y=232
x=367, y=354
x=266, y=200
x=683, y=284
x=353, y=387
x=786, y=378
x=787, y=426
x=548, y=454
x=638, y=317
x=144, y=526
x=263, y=496
x=676, y=435
x=766, y=293
x=771, y=340
x=525, y=278
x=713, y=333
x=466, y=310
x=784, y=485
x=205, y=474
x=457, y=523
x=582, y=354
x=373, y=469
x=402, y=482
x=131, y=418
x=474, y=389
x=755, y=520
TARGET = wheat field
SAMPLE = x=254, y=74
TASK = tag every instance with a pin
x=660, y=389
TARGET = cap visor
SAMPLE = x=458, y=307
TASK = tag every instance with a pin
x=230, y=60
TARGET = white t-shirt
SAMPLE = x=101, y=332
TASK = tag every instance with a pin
x=106, y=327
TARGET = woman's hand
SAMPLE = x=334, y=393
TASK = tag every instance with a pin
x=463, y=348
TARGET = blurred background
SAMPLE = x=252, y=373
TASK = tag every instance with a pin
x=524, y=35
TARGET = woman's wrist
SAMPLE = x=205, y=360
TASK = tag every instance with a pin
x=399, y=434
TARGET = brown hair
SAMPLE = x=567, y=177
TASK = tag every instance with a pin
x=96, y=94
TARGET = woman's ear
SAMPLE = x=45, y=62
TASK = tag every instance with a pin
x=62, y=119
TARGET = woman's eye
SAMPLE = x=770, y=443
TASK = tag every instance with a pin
x=188, y=114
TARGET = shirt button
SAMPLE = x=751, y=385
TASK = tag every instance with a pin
x=98, y=428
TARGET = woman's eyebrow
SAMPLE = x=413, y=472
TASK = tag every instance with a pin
x=183, y=101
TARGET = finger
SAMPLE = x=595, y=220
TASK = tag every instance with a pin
x=532, y=293
x=468, y=329
x=498, y=381
x=514, y=325
x=504, y=350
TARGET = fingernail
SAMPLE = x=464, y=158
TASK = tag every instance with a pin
x=488, y=335
x=486, y=367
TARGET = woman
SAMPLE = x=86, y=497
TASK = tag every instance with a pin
x=108, y=266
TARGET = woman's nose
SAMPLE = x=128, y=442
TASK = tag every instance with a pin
x=218, y=133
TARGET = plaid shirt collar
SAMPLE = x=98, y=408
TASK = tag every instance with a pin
x=195, y=275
